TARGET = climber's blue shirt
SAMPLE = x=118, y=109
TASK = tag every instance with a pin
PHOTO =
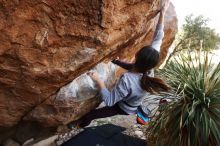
x=127, y=93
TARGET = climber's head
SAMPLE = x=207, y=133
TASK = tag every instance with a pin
x=146, y=59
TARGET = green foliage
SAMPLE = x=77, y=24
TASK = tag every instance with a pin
x=193, y=119
x=196, y=34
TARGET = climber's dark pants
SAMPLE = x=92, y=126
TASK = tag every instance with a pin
x=100, y=113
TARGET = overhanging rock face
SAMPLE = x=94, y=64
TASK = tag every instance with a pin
x=45, y=44
x=73, y=100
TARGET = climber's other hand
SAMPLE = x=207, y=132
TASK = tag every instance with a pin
x=94, y=75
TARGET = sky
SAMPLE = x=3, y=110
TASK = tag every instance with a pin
x=208, y=8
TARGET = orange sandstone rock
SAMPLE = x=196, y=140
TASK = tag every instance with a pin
x=45, y=44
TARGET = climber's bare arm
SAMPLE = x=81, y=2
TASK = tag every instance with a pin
x=159, y=33
x=163, y=11
x=125, y=65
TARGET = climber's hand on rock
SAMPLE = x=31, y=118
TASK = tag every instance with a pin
x=165, y=5
x=94, y=76
x=115, y=60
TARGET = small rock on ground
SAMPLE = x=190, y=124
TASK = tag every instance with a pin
x=139, y=133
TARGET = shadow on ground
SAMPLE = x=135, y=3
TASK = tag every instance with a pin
x=105, y=135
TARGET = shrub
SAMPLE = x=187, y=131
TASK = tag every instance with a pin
x=193, y=119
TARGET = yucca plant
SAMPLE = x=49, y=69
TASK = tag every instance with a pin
x=193, y=119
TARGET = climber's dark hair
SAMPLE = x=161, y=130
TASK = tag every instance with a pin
x=146, y=59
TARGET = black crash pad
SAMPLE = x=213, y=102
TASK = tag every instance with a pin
x=105, y=135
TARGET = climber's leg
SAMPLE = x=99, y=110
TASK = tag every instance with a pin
x=100, y=113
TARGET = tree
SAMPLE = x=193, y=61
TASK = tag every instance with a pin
x=195, y=35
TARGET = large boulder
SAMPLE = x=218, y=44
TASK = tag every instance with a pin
x=45, y=44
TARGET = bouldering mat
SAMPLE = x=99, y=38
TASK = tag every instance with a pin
x=105, y=135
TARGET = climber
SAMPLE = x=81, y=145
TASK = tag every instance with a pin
x=126, y=96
